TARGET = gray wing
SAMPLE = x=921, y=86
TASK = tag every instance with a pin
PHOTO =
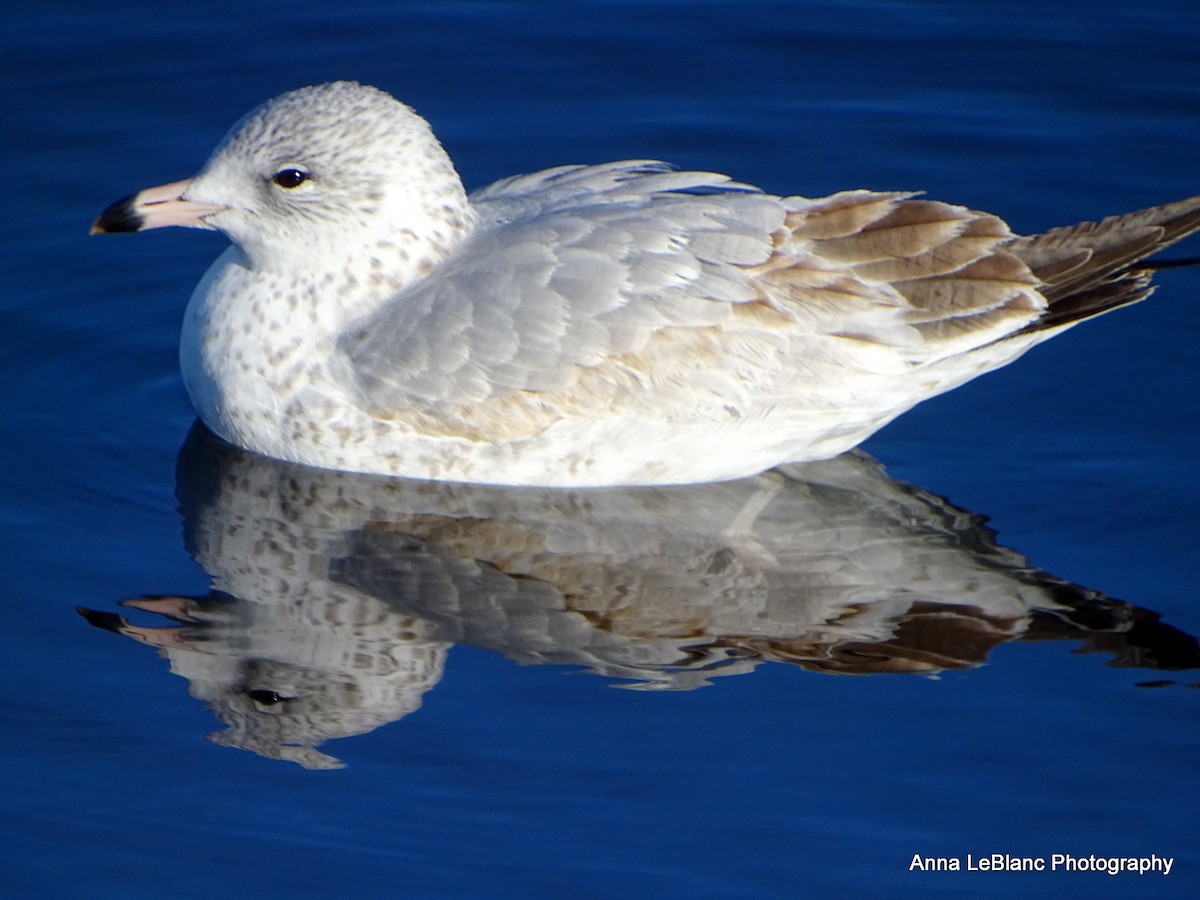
x=638, y=290
x=571, y=268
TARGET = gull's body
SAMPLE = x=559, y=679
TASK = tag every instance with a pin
x=589, y=325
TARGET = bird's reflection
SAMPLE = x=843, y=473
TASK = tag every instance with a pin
x=335, y=596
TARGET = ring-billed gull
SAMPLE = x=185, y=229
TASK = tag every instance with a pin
x=589, y=325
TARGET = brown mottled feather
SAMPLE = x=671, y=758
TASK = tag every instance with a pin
x=1090, y=268
x=944, y=265
x=842, y=214
x=962, y=270
x=991, y=281
x=906, y=230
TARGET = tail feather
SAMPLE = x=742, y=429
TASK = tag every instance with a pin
x=1091, y=268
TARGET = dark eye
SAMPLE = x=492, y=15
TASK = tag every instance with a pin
x=266, y=698
x=290, y=177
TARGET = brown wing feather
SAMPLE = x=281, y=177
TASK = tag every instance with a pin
x=945, y=264
x=1090, y=268
x=962, y=272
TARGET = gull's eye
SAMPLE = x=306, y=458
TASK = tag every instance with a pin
x=266, y=698
x=290, y=177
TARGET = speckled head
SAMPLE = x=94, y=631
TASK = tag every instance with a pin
x=339, y=168
x=328, y=165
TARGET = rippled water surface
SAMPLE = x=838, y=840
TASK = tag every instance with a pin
x=297, y=683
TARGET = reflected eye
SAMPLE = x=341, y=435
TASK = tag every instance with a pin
x=290, y=177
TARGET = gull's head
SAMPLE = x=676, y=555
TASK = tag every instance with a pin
x=332, y=170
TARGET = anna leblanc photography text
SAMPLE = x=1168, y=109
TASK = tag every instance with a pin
x=1056, y=862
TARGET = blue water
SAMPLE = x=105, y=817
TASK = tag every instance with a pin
x=875, y=674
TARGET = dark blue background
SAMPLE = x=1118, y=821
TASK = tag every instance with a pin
x=524, y=782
